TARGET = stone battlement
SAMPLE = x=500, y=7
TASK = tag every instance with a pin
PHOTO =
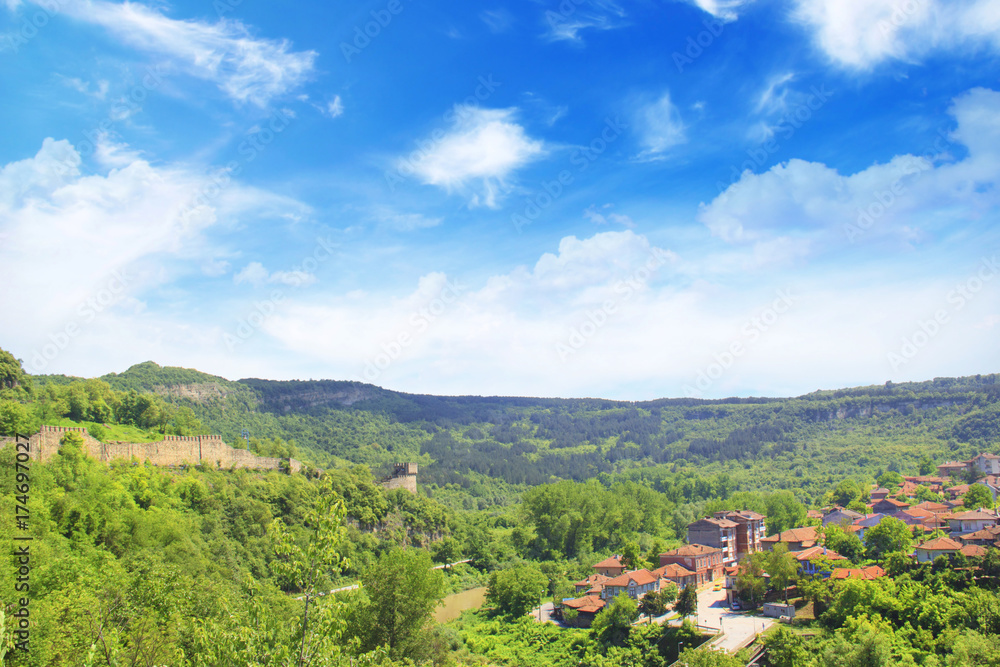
x=404, y=476
x=173, y=450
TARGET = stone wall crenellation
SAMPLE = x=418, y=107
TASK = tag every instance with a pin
x=173, y=450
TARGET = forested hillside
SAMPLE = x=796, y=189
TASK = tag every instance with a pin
x=539, y=489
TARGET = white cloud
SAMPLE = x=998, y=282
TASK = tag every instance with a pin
x=805, y=206
x=108, y=244
x=244, y=67
x=482, y=149
x=660, y=126
x=100, y=91
x=335, y=107
x=727, y=10
x=864, y=33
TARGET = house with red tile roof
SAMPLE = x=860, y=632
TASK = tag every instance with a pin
x=703, y=560
x=973, y=551
x=591, y=585
x=972, y=521
x=610, y=567
x=889, y=505
x=797, y=539
x=952, y=468
x=677, y=574
x=936, y=508
x=988, y=464
x=586, y=607
x=808, y=558
x=635, y=583
x=984, y=537
x=842, y=516
x=942, y=546
x=880, y=493
x=956, y=492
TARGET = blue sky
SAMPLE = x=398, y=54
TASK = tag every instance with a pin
x=621, y=199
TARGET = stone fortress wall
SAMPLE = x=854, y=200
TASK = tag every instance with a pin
x=172, y=451
x=403, y=477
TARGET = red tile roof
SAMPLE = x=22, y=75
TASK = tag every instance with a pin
x=973, y=551
x=814, y=552
x=692, y=550
x=610, y=562
x=807, y=534
x=587, y=604
x=640, y=577
x=940, y=544
x=975, y=515
x=673, y=571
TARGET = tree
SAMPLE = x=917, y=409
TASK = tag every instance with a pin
x=782, y=566
x=706, y=657
x=513, y=592
x=783, y=512
x=402, y=592
x=846, y=492
x=785, y=648
x=844, y=543
x=890, y=479
x=687, y=601
x=632, y=557
x=651, y=605
x=14, y=419
x=302, y=567
x=977, y=496
x=927, y=466
x=750, y=583
x=888, y=536
x=613, y=624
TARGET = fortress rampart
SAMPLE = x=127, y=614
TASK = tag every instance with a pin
x=403, y=477
x=172, y=451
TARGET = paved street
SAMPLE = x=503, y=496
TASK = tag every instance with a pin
x=737, y=627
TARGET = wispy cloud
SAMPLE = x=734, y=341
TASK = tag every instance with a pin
x=255, y=274
x=335, y=107
x=497, y=20
x=478, y=154
x=569, y=19
x=660, y=126
x=246, y=68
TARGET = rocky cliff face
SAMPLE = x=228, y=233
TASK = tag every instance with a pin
x=200, y=393
x=308, y=397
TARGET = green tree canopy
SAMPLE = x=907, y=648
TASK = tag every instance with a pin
x=977, y=496
x=888, y=536
x=515, y=591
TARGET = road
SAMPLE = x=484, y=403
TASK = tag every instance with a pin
x=737, y=627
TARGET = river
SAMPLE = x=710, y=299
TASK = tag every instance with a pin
x=452, y=606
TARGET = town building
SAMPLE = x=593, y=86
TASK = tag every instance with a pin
x=750, y=530
x=797, y=539
x=636, y=584
x=704, y=561
x=718, y=533
x=610, y=567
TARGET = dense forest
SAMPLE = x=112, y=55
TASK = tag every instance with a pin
x=136, y=565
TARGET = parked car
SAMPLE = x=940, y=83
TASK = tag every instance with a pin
x=735, y=606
